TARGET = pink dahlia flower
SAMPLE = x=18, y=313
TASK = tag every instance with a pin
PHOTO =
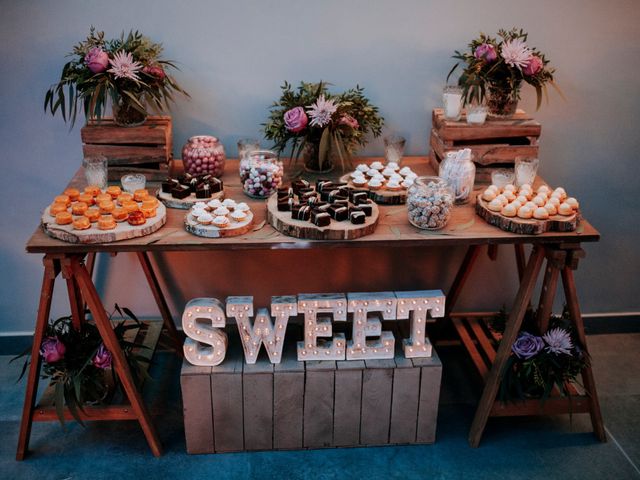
x=516, y=53
x=321, y=111
x=123, y=66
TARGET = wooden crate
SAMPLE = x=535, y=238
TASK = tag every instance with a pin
x=495, y=144
x=304, y=405
x=145, y=149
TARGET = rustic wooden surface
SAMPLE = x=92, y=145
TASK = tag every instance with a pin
x=381, y=196
x=530, y=226
x=211, y=231
x=93, y=234
x=257, y=393
x=319, y=404
x=288, y=399
x=302, y=229
x=348, y=398
x=394, y=230
x=195, y=384
x=185, y=203
x=520, y=125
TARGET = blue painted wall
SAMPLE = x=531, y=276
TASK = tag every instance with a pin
x=235, y=54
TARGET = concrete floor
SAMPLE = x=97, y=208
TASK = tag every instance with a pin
x=552, y=447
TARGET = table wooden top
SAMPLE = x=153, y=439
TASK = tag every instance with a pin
x=394, y=229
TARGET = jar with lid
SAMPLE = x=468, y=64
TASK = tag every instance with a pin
x=459, y=171
x=429, y=202
x=261, y=173
x=203, y=154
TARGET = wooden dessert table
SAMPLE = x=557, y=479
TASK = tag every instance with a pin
x=560, y=250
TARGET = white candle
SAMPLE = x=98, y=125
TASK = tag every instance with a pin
x=452, y=105
x=476, y=116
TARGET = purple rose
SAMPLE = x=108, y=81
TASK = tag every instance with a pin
x=102, y=359
x=349, y=121
x=97, y=60
x=534, y=66
x=527, y=345
x=295, y=119
x=52, y=350
x=486, y=51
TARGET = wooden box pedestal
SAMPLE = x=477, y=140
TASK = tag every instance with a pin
x=299, y=405
x=146, y=149
x=495, y=144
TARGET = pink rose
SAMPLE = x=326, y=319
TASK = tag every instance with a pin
x=154, y=71
x=52, y=350
x=295, y=119
x=349, y=121
x=534, y=66
x=102, y=358
x=486, y=51
x=97, y=60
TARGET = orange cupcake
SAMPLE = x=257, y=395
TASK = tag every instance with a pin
x=119, y=214
x=86, y=198
x=106, y=222
x=103, y=197
x=81, y=223
x=130, y=206
x=64, y=218
x=72, y=193
x=79, y=208
x=151, y=202
x=140, y=195
x=56, y=208
x=62, y=199
x=106, y=207
x=124, y=197
x=148, y=211
x=93, y=214
x=114, y=191
x=92, y=190
x=136, y=218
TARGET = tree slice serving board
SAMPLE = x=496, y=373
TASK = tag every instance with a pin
x=211, y=231
x=123, y=230
x=345, y=230
x=531, y=226
x=185, y=203
x=382, y=196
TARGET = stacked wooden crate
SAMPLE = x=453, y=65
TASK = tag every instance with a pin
x=495, y=144
x=147, y=148
x=302, y=405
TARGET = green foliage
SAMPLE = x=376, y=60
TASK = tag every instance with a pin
x=478, y=74
x=79, y=85
x=75, y=377
x=337, y=138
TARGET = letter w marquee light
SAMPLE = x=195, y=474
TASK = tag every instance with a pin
x=204, y=319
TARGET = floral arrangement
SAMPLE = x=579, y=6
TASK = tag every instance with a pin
x=539, y=362
x=320, y=125
x=79, y=365
x=501, y=65
x=128, y=70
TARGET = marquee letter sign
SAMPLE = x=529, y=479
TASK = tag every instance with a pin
x=204, y=319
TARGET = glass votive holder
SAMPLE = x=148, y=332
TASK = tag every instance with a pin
x=95, y=170
x=246, y=145
x=502, y=176
x=394, y=148
x=476, y=114
x=452, y=102
x=526, y=169
x=133, y=181
x=261, y=173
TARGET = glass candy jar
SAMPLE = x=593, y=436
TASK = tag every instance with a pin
x=429, y=202
x=260, y=173
x=203, y=154
x=459, y=171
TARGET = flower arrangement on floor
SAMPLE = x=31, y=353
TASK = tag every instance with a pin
x=539, y=362
x=127, y=70
x=494, y=69
x=322, y=127
x=79, y=365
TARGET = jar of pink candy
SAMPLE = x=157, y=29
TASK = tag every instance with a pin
x=260, y=173
x=203, y=154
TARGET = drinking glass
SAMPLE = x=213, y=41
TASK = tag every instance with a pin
x=452, y=101
x=526, y=169
x=501, y=177
x=394, y=148
x=95, y=170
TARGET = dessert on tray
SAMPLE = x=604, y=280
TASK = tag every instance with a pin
x=185, y=190
x=219, y=218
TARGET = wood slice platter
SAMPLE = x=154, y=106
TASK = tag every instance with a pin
x=211, y=231
x=185, y=203
x=123, y=230
x=345, y=230
x=382, y=196
x=531, y=226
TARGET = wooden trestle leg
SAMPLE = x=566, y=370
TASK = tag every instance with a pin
x=152, y=280
x=51, y=271
x=461, y=277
